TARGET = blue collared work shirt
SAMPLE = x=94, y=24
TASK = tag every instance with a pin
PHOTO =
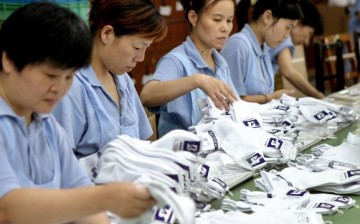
x=36, y=155
x=91, y=116
x=250, y=66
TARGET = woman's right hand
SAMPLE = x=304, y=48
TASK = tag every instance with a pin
x=218, y=91
x=128, y=200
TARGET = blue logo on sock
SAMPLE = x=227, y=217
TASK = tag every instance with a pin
x=255, y=160
x=252, y=123
x=274, y=143
x=319, y=116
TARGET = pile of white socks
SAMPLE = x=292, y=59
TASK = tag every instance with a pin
x=319, y=111
x=182, y=171
x=183, y=207
x=347, y=152
x=280, y=193
x=275, y=216
x=247, y=146
x=333, y=180
x=240, y=112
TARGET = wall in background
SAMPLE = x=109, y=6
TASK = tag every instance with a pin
x=178, y=29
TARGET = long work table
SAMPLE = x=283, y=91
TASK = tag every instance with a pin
x=349, y=216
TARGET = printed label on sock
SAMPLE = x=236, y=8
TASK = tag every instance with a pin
x=296, y=193
x=164, y=214
x=255, y=159
x=325, y=205
x=321, y=115
x=287, y=124
x=281, y=107
x=274, y=143
x=184, y=145
x=204, y=170
x=351, y=173
x=252, y=123
x=192, y=146
x=342, y=199
x=212, y=135
x=220, y=182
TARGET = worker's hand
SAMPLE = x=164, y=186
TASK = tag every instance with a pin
x=218, y=91
x=278, y=93
x=128, y=200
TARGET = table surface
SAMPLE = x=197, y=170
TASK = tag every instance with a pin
x=349, y=216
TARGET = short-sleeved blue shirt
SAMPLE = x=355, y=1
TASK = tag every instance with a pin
x=171, y=68
x=36, y=156
x=249, y=63
x=273, y=52
x=354, y=22
x=92, y=118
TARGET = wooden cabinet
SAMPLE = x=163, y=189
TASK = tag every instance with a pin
x=178, y=29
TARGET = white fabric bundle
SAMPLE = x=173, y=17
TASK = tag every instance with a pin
x=183, y=206
x=179, y=140
x=240, y=142
x=303, y=179
x=316, y=114
x=261, y=217
x=240, y=112
x=347, y=152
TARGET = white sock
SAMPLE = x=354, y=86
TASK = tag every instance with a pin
x=338, y=200
x=302, y=179
x=183, y=206
x=316, y=114
x=243, y=149
x=179, y=140
x=242, y=113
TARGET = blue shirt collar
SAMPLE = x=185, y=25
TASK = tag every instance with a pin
x=88, y=73
x=195, y=56
x=253, y=40
x=6, y=110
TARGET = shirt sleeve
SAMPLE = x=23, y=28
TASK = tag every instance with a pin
x=236, y=54
x=168, y=68
x=145, y=130
x=8, y=178
x=70, y=113
x=72, y=174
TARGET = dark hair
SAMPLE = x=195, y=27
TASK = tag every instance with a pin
x=43, y=31
x=127, y=17
x=197, y=5
x=287, y=9
x=312, y=17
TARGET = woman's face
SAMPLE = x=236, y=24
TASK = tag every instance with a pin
x=122, y=53
x=39, y=87
x=302, y=34
x=277, y=31
x=213, y=26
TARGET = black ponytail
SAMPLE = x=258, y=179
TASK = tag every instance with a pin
x=287, y=9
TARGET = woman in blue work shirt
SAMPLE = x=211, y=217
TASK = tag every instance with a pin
x=103, y=102
x=41, y=180
x=354, y=20
x=281, y=55
x=246, y=52
x=194, y=69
